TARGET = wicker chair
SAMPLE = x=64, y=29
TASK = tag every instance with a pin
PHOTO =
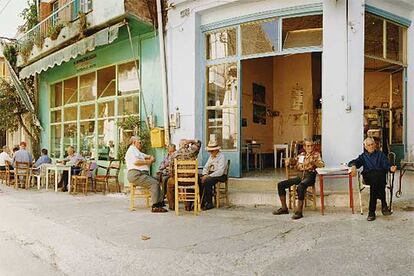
x=22, y=172
x=103, y=182
x=5, y=175
x=81, y=180
x=222, y=188
x=186, y=184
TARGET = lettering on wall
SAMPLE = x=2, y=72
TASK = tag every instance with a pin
x=85, y=63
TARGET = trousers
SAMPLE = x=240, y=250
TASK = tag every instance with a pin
x=142, y=179
x=302, y=184
x=206, y=188
x=377, y=180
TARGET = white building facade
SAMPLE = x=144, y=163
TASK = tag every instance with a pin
x=276, y=71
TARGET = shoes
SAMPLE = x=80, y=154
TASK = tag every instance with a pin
x=297, y=215
x=281, y=211
x=386, y=211
x=371, y=216
x=189, y=207
x=158, y=210
x=207, y=206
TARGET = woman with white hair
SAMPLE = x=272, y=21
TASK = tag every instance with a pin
x=375, y=167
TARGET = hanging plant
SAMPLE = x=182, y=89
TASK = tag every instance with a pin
x=39, y=40
x=26, y=48
x=133, y=126
x=10, y=53
x=54, y=31
x=29, y=16
x=82, y=25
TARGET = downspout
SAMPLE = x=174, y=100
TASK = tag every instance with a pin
x=164, y=85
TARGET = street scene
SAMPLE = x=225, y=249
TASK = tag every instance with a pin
x=204, y=137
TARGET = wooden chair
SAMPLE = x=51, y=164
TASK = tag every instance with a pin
x=81, y=180
x=22, y=175
x=138, y=192
x=310, y=192
x=5, y=175
x=103, y=182
x=222, y=188
x=186, y=184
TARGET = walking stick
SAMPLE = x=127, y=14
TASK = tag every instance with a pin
x=391, y=157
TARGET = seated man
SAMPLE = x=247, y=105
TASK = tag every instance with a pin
x=305, y=163
x=5, y=156
x=213, y=172
x=138, y=166
x=164, y=169
x=43, y=159
x=375, y=170
x=188, y=150
x=22, y=155
x=75, y=160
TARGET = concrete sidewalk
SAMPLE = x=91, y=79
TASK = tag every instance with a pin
x=49, y=233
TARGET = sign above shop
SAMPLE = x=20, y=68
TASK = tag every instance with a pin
x=85, y=63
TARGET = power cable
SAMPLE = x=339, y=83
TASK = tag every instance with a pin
x=5, y=6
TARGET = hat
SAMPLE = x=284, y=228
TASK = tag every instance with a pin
x=212, y=145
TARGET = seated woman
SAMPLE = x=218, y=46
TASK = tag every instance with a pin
x=306, y=164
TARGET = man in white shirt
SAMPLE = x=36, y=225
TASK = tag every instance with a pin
x=138, y=166
x=5, y=156
x=213, y=172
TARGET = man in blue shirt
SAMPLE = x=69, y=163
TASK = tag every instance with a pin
x=43, y=159
x=375, y=170
x=22, y=155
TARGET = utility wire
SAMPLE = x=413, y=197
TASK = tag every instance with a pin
x=5, y=6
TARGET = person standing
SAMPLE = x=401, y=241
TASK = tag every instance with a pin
x=138, y=166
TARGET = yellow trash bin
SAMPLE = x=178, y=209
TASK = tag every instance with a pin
x=157, y=137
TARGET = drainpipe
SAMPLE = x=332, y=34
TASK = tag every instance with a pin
x=163, y=73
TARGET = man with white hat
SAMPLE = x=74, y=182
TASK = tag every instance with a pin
x=213, y=172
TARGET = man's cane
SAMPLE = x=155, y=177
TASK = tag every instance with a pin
x=391, y=158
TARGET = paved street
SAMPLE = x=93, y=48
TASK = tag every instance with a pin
x=47, y=233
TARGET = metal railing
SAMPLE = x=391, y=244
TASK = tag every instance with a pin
x=52, y=24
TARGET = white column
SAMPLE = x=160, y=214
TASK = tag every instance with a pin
x=342, y=80
x=410, y=84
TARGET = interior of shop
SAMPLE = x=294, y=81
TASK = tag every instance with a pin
x=280, y=105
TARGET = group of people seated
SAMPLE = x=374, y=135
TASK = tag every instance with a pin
x=21, y=155
x=138, y=165
x=375, y=168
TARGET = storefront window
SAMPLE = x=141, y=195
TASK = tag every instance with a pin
x=394, y=42
x=94, y=132
x=221, y=44
x=222, y=111
x=303, y=31
x=259, y=37
x=374, y=28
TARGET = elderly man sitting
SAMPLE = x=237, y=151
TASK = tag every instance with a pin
x=375, y=170
x=305, y=164
x=213, y=172
x=138, y=166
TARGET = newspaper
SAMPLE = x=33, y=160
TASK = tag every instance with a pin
x=341, y=169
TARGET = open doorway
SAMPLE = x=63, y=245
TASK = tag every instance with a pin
x=280, y=106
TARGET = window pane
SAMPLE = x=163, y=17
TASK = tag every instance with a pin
x=56, y=116
x=106, y=82
x=87, y=134
x=304, y=31
x=70, y=136
x=259, y=37
x=106, y=109
x=87, y=112
x=374, y=32
x=394, y=42
x=106, y=137
x=71, y=113
x=87, y=87
x=128, y=78
x=71, y=90
x=55, y=140
x=222, y=111
x=56, y=95
x=221, y=44
x=128, y=106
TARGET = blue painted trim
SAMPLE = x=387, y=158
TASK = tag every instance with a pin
x=389, y=16
x=302, y=10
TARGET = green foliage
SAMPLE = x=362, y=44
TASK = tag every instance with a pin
x=133, y=126
x=29, y=15
x=54, y=31
x=82, y=25
x=26, y=48
x=39, y=40
x=10, y=107
x=10, y=53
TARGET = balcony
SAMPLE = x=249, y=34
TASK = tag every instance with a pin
x=74, y=20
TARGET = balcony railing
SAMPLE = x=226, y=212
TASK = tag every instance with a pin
x=56, y=20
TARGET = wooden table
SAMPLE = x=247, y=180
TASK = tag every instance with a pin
x=331, y=173
x=57, y=168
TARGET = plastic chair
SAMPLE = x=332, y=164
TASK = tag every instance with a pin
x=186, y=184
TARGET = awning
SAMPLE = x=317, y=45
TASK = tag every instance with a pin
x=103, y=37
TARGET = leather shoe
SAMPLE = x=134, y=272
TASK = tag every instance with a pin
x=207, y=206
x=371, y=216
x=158, y=210
x=386, y=212
x=297, y=215
x=280, y=211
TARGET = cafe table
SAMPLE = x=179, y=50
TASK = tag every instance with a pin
x=56, y=168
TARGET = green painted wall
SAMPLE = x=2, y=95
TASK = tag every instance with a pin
x=146, y=48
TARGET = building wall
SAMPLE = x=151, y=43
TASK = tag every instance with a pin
x=410, y=87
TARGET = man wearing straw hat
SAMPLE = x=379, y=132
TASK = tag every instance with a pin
x=213, y=172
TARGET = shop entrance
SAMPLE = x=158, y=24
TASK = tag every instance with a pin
x=280, y=105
